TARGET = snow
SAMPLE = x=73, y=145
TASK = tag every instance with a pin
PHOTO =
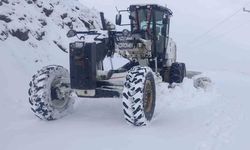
x=186, y=118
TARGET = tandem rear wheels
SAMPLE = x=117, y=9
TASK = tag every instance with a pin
x=174, y=74
x=177, y=73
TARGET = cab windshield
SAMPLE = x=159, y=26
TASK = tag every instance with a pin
x=141, y=20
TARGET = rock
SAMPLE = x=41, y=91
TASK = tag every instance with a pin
x=47, y=12
x=33, y=45
x=39, y=36
x=5, y=18
x=43, y=22
x=69, y=24
x=21, y=35
x=63, y=16
x=5, y=1
x=39, y=5
x=29, y=1
x=73, y=19
x=21, y=18
x=3, y=36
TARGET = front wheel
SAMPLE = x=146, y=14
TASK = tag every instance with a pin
x=139, y=96
x=50, y=95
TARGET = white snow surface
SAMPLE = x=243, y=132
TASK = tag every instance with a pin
x=216, y=118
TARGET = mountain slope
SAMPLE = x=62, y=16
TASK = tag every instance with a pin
x=39, y=28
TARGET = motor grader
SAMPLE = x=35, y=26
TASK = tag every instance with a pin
x=151, y=54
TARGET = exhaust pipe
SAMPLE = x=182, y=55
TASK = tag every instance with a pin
x=104, y=25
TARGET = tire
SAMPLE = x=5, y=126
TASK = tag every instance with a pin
x=165, y=74
x=139, y=96
x=50, y=95
x=184, y=71
x=177, y=73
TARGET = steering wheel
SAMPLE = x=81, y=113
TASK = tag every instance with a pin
x=145, y=28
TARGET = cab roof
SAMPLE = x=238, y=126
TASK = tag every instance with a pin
x=154, y=6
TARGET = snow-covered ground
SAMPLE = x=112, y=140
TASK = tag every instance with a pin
x=186, y=118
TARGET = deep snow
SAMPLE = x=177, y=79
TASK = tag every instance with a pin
x=186, y=118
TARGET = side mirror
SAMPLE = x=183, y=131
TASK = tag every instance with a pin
x=118, y=19
x=71, y=33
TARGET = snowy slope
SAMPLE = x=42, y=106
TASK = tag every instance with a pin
x=186, y=118
x=39, y=28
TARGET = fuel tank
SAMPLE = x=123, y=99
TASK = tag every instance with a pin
x=83, y=65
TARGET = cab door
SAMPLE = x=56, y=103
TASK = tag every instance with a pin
x=161, y=34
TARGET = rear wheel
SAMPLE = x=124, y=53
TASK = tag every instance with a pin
x=139, y=96
x=184, y=71
x=177, y=73
x=50, y=95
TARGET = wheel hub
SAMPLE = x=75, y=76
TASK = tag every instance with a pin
x=148, y=97
x=59, y=94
